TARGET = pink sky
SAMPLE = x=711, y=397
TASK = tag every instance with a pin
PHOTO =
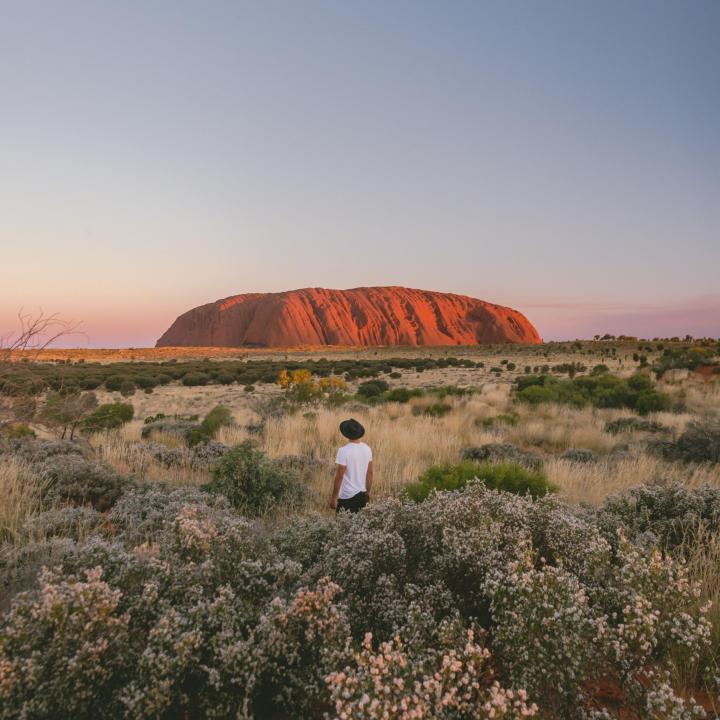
x=555, y=321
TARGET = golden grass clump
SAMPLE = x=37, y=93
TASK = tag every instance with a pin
x=20, y=495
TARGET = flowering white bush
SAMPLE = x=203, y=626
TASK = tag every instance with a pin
x=458, y=606
x=62, y=649
x=393, y=682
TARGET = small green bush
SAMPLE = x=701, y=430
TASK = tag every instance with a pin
x=510, y=419
x=193, y=379
x=127, y=388
x=16, y=431
x=252, y=482
x=73, y=480
x=501, y=476
x=114, y=382
x=633, y=424
x=109, y=416
x=434, y=410
x=601, y=390
x=401, y=395
x=372, y=388
x=218, y=417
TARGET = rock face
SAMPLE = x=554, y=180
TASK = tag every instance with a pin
x=361, y=316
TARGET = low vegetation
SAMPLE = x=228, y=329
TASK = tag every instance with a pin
x=501, y=476
x=544, y=543
x=602, y=390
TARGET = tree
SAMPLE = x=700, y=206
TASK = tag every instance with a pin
x=109, y=416
x=62, y=411
x=19, y=383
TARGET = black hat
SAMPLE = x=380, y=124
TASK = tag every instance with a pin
x=352, y=429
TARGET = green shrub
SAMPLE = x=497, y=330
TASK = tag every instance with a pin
x=395, y=375
x=70, y=479
x=434, y=410
x=224, y=378
x=372, y=388
x=668, y=515
x=633, y=424
x=251, y=481
x=218, y=417
x=496, y=476
x=193, y=379
x=401, y=395
x=127, y=388
x=16, y=431
x=114, y=382
x=700, y=443
x=109, y=416
x=601, y=390
x=510, y=419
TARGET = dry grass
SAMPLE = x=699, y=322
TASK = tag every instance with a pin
x=593, y=482
x=20, y=496
x=403, y=444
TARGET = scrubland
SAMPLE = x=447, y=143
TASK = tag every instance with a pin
x=178, y=567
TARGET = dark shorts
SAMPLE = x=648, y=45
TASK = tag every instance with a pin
x=353, y=504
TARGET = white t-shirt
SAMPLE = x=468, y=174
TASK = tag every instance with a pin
x=355, y=457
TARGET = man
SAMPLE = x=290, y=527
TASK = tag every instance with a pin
x=354, y=473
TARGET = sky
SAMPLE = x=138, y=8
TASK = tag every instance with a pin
x=559, y=157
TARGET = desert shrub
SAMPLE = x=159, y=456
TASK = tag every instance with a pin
x=251, y=481
x=249, y=388
x=193, y=379
x=451, y=390
x=109, y=416
x=661, y=514
x=634, y=424
x=16, y=431
x=225, y=378
x=544, y=632
x=127, y=388
x=510, y=419
x=450, y=676
x=144, y=513
x=395, y=375
x=38, y=450
x=502, y=452
x=372, y=388
x=500, y=476
x=699, y=443
x=434, y=410
x=73, y=480
x=600, y=390
x=91, y=383
x=168, y=426
x=69, y=675
x=580, y=455
x=218, y=417
x=200, y=613
x=114, y=382
x=401, y=395
x=65, y=522
x=206, y=453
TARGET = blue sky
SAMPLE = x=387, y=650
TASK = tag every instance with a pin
x=559, y=157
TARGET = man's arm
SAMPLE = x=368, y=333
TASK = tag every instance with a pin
x=369, y=478
x=339, y=472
